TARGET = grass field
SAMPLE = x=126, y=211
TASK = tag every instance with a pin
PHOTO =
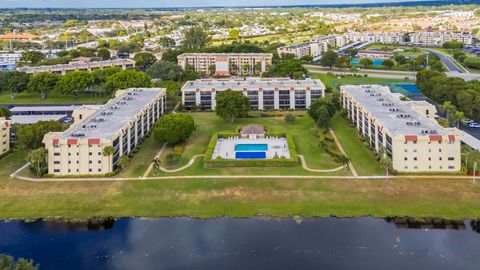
x=303, y=131
x=332, y=81
x=34, y=98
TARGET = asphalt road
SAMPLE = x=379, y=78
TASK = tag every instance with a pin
x=446, y=60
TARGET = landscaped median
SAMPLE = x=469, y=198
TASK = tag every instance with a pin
x=275, y=162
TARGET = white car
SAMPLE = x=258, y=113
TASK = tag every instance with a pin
x=474, y=125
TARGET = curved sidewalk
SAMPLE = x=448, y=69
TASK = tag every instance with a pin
x=305, y=166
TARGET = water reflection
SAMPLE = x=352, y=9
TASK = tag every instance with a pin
x=181, y=243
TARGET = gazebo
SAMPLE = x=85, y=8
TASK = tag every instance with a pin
x=252, y=132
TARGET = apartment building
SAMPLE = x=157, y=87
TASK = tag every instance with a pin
x=4, y=135
x=80, y=66
x=406, y=130
x=223, y=64
x=437, y=38
x=312, y=48
x=121, y=123
x=263, y=93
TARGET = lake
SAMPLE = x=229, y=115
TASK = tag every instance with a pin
x=256, y=243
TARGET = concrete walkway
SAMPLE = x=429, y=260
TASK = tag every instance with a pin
x=190, y=163
x=305, y=166
x=352, y=169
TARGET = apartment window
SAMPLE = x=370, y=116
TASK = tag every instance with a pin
x=414, y=150
x=90, y=153
x=69, y=154
x=429, y=167
x=440, y=158
x=441, y=167
x=56, y=162
x=415, y=158
x=69, y=162
x=405, y=158
x=451, y=158
x=77, y=161
x=429, y=159
x=405, y=150
x=56, y=154
x=406, y=167
x=89, y=170
x=440, y=150
x=451, y=167
x=99, y=153
x=415, y=167
x=56, y=170
x=99, y=162
x=99, y=170
x=89, y=162
x=68, y=170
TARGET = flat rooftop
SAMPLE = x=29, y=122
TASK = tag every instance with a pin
x=114, y=115
x=43, y=108
x=249, y=83
x=75, y=65
x=397, y=116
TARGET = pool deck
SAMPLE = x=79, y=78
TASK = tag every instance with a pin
x=225, y=148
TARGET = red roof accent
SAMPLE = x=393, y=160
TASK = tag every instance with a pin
x=451, y=138
x=56, y=142
x=435, y=138
x=72, y=141
x=93, y=141
x=411, y=138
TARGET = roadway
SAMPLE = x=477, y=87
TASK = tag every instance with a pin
x=447, y=61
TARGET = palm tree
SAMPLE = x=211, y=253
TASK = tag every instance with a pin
x=123, y=162
x=448, y=108
x=37, y=158
x=385, y=160
x=108, y=152
x=459, y=117
x=344, y=160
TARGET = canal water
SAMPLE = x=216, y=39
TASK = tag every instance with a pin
x=256, y=243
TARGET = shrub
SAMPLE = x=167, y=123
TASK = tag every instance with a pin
x=472, y=62
x=172, y=158
x=179, y=148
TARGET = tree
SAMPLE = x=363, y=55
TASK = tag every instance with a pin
x=144, y=60
x=166, y=42
x=323, y=117
x=234, y=34
x=31, y=136
x=108, y=151
x=103, y=53
x=196, y=38
x=388, y=63
x=36, y=158
x=385, y=160
x=287, y=68
x=211, y=69
x=8, y=262
x=165, y=70
x=459, y=117
x=74, y=82
x=342, y=62
x=323, y=102
x=123, y=162
x=328, y=59
x=289, y=117
x=13, y=82
x=174, y=128
x=4, y=112
x=453, y=44
x=400, y=59
x=42, y=83
x=127, y=79
x=343, y=160
x=32, y=57
x=366, y=62
x=231, y=105
x=448, y=108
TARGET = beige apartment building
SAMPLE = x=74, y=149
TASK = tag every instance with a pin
x=223, y=64
x=263, y=93
x=121, y=123
x=4, y=135
x=437, y=38
x=406, y=130
x=311, y=48
x=80, y=66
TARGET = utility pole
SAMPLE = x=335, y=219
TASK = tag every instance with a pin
x=428, y=67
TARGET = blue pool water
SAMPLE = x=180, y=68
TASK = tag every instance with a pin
x=250, y=155
x=251, y=147
x=376, y=62
x=406, y=89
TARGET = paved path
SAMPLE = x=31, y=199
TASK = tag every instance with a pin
x=447, y=61
x=305, y=166
x=190, y=163
x=150, y=167
x=350, y=165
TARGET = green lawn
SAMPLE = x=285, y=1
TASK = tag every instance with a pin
x=361, y=157
x=140, y=160
x=303, y=131
x=332, y=81
x=34, y=98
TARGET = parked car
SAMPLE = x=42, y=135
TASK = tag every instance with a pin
x=474, y=125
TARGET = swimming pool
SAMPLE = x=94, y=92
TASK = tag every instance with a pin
x=375, y=62
x=251, y=147
x=250, y=155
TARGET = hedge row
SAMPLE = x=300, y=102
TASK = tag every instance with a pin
x=472, y=62
x=219, y=162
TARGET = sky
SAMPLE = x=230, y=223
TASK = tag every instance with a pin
x=169, y=3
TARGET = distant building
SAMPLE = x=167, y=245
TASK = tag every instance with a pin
x=263, y=93
x=12, y=36
x=375, y=54
x=311, y=48
x=226, y=63
x=80, y=66
x=7, y=66
x=407, y=130
x=437, y=38
x=121, y=123
x=34, y=114
x=4, y=135
x=10, y=57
